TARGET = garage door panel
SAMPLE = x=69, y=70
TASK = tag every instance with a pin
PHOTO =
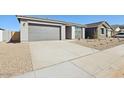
x=37, y=33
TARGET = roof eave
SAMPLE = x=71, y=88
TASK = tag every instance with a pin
x=46, y=20
x=37, y=19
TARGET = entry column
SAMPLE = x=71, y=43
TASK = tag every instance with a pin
x=83, y=33
x=24, y=31
x=73, y=32
x=62, y=32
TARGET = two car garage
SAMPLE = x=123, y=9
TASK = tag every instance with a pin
x=40, y=29
x=37, y=32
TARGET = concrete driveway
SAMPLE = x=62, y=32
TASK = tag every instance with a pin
x=50, y=59
x=107, y=63
x=48, y=53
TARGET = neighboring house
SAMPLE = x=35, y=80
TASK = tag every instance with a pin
x=38, y=29
x=116, y=28
x=98, y=30
x=121, y=28
x=1, y=34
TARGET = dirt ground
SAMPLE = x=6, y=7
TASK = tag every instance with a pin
x=100, y=44
x=14, y=59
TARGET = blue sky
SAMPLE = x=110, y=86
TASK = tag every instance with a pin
x=10, y=22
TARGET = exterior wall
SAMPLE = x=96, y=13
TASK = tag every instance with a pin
x=44, y=23
x=24, y=31
x=1, y=35
x=100, y=35
x=109, y=33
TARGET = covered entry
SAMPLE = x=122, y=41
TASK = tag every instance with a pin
x=91, y=33
x=39, y=32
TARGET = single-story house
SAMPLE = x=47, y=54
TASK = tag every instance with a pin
x=116, y=28
x=98, y=30
x=121, y=28
x=38, y=29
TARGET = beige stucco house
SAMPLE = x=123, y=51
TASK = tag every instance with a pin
x=38, y=29
x=98, y=30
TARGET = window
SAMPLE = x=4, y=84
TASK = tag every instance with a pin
x=102, y=30
x=78, y=32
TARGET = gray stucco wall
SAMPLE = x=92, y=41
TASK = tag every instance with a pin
x=24, y=28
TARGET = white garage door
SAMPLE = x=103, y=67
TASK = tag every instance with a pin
x=43, y=32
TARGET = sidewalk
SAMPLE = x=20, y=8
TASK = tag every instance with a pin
x=104, y=63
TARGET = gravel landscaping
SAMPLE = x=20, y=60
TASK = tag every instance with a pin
x=14, y=59
x=100, y=44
